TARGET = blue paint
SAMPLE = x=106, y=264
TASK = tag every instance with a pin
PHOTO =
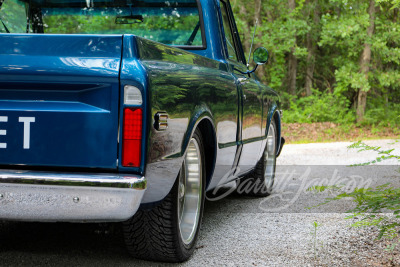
x=74, y=87
x=70, y=84
x=133, y=73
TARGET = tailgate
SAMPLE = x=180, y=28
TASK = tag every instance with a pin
x=59, y=100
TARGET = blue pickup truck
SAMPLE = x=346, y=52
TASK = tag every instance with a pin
x=130, y=111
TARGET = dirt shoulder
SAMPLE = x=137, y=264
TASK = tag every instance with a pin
x=331, y=132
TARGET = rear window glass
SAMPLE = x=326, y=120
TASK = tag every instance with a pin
x=169, y=22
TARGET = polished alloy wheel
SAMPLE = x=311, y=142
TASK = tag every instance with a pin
x=270, y=156
x=190, y=192
x=168, y=231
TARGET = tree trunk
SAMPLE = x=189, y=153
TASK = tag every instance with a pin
x=292, y=61
x=365, y=61
x=311, y=48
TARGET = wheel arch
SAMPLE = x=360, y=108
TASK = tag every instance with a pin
x=204, y=122
x=275, y=114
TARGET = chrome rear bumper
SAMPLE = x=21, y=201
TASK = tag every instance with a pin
x=77, y=197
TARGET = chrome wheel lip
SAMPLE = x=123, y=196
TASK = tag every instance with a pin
x=189, y=201
x=270, y=156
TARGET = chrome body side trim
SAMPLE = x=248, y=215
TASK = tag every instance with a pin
x=69, y=197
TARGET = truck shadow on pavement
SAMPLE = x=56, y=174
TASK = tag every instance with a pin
x=31, y=243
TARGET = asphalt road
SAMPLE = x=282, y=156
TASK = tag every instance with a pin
x=274, y=231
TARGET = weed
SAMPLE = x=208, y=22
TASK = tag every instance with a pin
x=315, y=227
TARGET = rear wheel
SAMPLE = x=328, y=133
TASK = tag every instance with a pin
x=260, y=181
x=169, y=231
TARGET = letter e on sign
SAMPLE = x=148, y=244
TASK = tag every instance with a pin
x=27, y=130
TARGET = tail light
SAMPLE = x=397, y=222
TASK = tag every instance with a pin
x=132, y=137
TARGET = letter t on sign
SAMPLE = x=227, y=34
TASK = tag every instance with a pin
x=27, y=130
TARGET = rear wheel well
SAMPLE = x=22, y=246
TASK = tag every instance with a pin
x=210, y=146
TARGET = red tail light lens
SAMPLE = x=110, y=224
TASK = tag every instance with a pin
x=132, y=137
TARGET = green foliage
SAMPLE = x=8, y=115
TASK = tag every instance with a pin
x=371, y=203
x=338, y=31
x=319, y=107
x=383, y=114
x=348, y=78
x=328, y=35
x=173, y=26
x=13, y=16
x=315, y=227
x=384, y=154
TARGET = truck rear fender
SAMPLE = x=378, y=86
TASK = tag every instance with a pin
x=202, y=119
x=177, y=89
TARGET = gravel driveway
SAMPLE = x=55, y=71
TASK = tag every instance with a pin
x=274, y=231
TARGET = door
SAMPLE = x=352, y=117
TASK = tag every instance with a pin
x=250, y=133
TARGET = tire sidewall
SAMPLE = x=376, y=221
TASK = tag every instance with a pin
x=268, y=189
x=187, y=249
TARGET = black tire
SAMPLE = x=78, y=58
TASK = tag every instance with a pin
x=156, y=234
x=259, y=182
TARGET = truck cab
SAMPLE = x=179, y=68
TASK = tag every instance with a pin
x=124, y=111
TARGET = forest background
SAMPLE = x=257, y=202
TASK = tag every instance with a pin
x=335, y=64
